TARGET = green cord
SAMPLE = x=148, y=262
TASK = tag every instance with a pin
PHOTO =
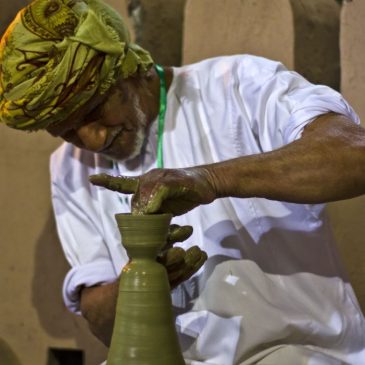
x=161, y=117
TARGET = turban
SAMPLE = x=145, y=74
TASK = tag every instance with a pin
x=57, y=54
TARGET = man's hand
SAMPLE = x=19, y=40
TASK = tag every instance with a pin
x=173, y=191
x=180, y=264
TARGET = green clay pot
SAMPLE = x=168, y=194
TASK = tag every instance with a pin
x=144, y=330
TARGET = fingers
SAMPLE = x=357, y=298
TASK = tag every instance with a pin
x=142, y=203
x=194, y=259
x=178, y=233
x=149, y=203
x=122, y=184
x=172, y=258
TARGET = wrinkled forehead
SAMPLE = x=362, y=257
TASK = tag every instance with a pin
x=53, y=19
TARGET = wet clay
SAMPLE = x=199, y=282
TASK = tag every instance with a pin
x=144, y=330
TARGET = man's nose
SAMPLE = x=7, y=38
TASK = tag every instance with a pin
x=93, y=136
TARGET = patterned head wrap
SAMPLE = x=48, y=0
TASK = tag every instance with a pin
x=57, y=54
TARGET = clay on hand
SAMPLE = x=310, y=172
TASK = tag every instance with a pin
x=180, y=264
x=174, y=191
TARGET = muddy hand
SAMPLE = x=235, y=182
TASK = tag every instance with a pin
x=173, y=257
x=173, y=191
x=181, y=264
x=121, y=184
x=177, y=233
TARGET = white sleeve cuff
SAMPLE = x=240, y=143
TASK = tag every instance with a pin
x=323, y=104
x=86, y=275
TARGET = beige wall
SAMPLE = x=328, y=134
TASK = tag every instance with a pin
x=158, y=27
x=301, y=34
x=214, y=28
x=348, y=216
x=32, y=267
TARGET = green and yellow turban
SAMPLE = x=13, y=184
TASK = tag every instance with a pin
x=57, y=54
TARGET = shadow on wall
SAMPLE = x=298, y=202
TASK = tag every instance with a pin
x=317, y=49
x=49, y=271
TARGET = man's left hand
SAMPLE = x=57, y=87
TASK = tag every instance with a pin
x=174, y=191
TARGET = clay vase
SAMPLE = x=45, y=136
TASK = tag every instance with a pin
x=144, y=330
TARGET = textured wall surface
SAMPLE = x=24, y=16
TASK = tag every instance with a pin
x=221, y=27
x=316, y=45
x=158, y=26
x=348, y=216
x=301, y=34
x=32, y=268
x=353, y=54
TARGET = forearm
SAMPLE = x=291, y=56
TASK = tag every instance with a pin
x=98, y=308
x=326, y=164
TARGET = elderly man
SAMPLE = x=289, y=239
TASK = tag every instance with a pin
x=239, y=147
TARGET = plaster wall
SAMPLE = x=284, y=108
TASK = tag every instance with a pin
x=158, y=27
x=348, y=216
x=301, y=34
x=224, y=27
x=352, y=42
x=32, y=315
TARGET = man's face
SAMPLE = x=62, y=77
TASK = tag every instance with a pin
x=114, y=126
